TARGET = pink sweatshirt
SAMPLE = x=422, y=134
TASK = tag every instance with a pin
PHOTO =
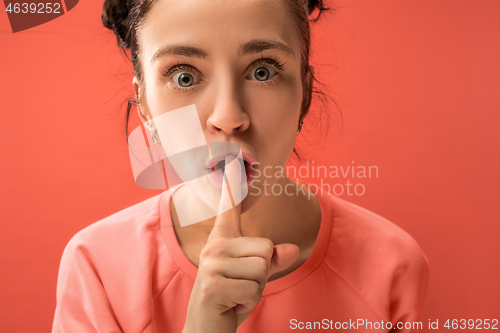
x=127, y=273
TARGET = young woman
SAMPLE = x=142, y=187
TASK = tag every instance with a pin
x=273, y=263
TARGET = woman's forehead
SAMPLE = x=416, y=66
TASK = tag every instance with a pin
x=215, y=26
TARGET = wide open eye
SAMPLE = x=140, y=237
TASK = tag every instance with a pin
x=262, y=73
x=184, y=76
x=265, y=69
x=183, y=79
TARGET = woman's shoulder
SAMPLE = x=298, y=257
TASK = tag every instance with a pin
x=118, y=226
x=366, y=232
x=375, y=257
x=121, y=262
x=120, y=240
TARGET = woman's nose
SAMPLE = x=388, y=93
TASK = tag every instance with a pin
x=228, y=116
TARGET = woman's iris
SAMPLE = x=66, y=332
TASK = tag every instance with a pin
x=185, y=80
x=262, y=74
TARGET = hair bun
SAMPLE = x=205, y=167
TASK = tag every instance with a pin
x=316, y=4
x=114, y=17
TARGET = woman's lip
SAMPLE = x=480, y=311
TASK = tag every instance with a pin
x=247, y=156
x=250, y=168
x=216, y=177
x=212, y=162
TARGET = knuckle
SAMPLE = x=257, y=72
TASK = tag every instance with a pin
x=213, y=249
x=252, y=303
x=268, y=247
x=256, y=290
x=255, y=293
x=209, y=286
x=261, y=266
x=208, y=265
x=252, y=294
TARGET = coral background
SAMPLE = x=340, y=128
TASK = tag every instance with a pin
x=417, y=83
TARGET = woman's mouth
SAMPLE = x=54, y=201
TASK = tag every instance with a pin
x=247, y=167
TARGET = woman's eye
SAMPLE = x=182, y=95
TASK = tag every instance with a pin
x=183, y=79
x=263, y=73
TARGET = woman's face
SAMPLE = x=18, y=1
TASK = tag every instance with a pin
x=239, y=63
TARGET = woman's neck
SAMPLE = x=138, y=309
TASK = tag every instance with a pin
x=283, y=218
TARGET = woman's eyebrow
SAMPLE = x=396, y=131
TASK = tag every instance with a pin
x=250, y=47
x=259, y=45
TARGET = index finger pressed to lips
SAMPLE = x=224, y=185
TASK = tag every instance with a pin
x=228, y=219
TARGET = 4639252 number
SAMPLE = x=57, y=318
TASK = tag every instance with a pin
x=471, y=324
x=38, y=8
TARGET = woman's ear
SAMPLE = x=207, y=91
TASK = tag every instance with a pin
x=306, y=104
x=141, y=109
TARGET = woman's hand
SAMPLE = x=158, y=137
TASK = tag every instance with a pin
x=232, y=272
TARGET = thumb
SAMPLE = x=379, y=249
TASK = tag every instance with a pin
x=283, y=256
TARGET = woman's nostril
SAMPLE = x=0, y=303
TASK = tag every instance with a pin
x=219, y=129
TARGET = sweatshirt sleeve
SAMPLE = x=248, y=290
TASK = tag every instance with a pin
x=82, y=304
x=409, y=290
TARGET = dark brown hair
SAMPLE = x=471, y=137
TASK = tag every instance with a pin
x=125, y=17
